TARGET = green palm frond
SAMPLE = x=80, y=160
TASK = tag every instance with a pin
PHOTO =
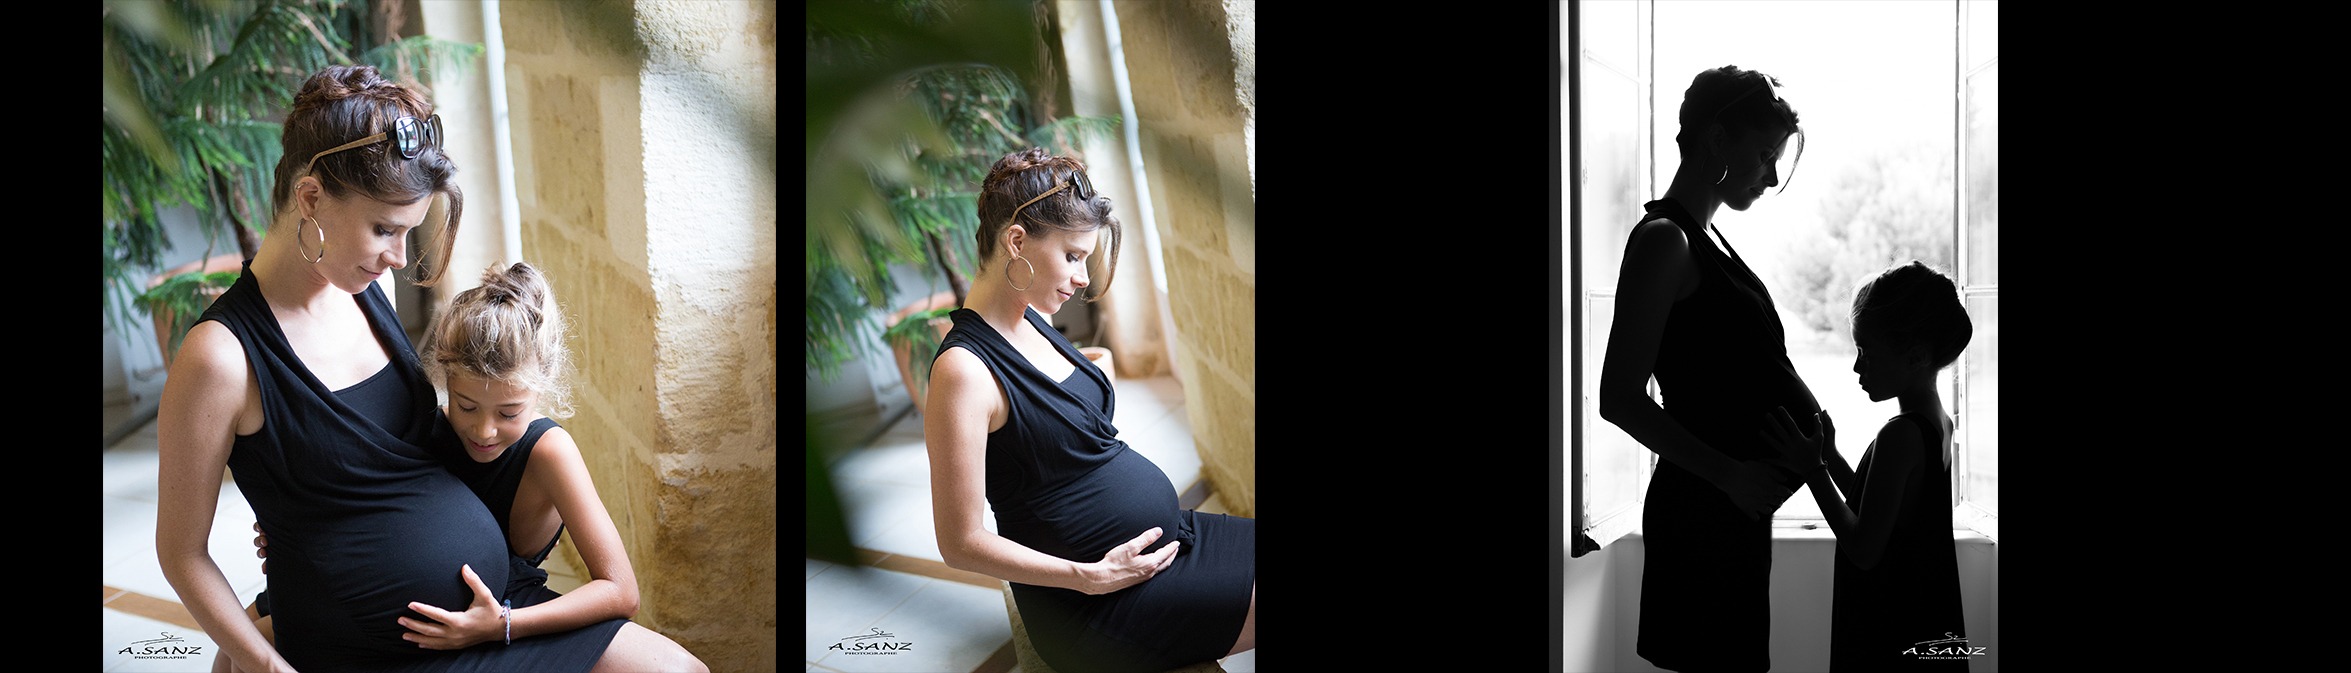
x=191, y=92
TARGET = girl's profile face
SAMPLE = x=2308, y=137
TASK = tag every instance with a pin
x=488, y=414
x=1884, y=370
x=1754, y=168
x=1060, y=259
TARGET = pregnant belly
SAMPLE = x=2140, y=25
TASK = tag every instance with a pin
x=341, y=596
x=1084, y=518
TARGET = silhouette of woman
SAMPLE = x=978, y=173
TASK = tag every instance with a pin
x=1690, y=313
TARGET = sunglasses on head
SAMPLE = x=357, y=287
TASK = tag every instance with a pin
x=409, y=135
x=1076, y=182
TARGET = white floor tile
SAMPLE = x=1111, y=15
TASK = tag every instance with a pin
x=129, y=469
x=914, y=536
x=129, y=631
x=952, y=627
x=876, y=507
x=888, y=461
x=845, y=601
x=1245, y=662
x=1155, y=395
x=127, y=529
x=130, y=541
x=816, y=566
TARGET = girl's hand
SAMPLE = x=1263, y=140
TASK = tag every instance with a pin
x=1126, y=566
x=479, y=623
x=261, y=547
x=1801, y=452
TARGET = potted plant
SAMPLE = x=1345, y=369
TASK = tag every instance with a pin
x=922, y=176
x=191, y=92
x=176, y=297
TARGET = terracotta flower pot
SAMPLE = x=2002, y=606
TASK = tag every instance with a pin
x=904, y=359
x=1101, y=358
x=163, y=316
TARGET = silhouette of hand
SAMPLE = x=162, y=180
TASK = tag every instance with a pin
x=1798, y=451
x=1757, y=487
x=1126, y=565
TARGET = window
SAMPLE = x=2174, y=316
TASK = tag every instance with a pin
x=1892, y=170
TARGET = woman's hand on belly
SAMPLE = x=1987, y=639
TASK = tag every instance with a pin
x=479, y=623
x=1126, y=565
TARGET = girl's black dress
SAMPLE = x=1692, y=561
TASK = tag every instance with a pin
x=1721, y=365
x=1905, y=613
x=1062, y=483
x=495, y=482
x=361, y=517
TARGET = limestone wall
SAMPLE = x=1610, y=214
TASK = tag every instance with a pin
x=1191, y=64
x=644, y=141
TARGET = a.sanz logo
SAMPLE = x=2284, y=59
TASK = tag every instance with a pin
x=877, y=642
x=162, y=648
x=1949, y=647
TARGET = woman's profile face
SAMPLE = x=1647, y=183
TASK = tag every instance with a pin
x=1753, y=162
x=365, y=238
x=1060, y=258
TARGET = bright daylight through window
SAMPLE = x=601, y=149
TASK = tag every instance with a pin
x=1897, y=101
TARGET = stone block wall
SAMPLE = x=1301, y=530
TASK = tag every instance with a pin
x=644, y=138
x=1191, y=64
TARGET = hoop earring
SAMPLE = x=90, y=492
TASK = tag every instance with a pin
x=322, y=241
x=1008, y=273
x=1726, y=172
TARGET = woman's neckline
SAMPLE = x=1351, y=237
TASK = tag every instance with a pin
x=1030, y=317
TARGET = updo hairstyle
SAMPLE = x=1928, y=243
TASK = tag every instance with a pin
x=1743, y=101
x=1913, y=306
x=344, y=103
x=508, y=329
x=1023, y=175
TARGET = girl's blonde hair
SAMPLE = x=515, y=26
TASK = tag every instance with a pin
x=509, y=329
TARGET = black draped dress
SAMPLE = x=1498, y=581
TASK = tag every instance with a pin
x=361, y=517
x=1904, y=614
x=1062, y=483
x=1722, y=364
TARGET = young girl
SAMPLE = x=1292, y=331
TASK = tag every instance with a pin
x=497, y=354
x=1897, y=585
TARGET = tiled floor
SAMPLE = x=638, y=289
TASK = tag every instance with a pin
x=139, y=604
x=955, y=620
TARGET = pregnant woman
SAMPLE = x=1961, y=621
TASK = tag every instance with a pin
x=1692, y=314
x=301, y=379
x=1107, y=571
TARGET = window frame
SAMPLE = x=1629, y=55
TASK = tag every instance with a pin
x=1593, y=526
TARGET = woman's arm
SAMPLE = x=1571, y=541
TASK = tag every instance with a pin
x=1656, y=269
x=963, y=398
x=557, y=469
x=1862, y=537
x=206, y=399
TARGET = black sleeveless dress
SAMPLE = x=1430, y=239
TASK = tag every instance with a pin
x=1721, y=365
x=1905, y=613
x=361, y=518
x=1062, y=483
x=495, y=482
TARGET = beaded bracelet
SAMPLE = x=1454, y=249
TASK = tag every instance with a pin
x=506, y=614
